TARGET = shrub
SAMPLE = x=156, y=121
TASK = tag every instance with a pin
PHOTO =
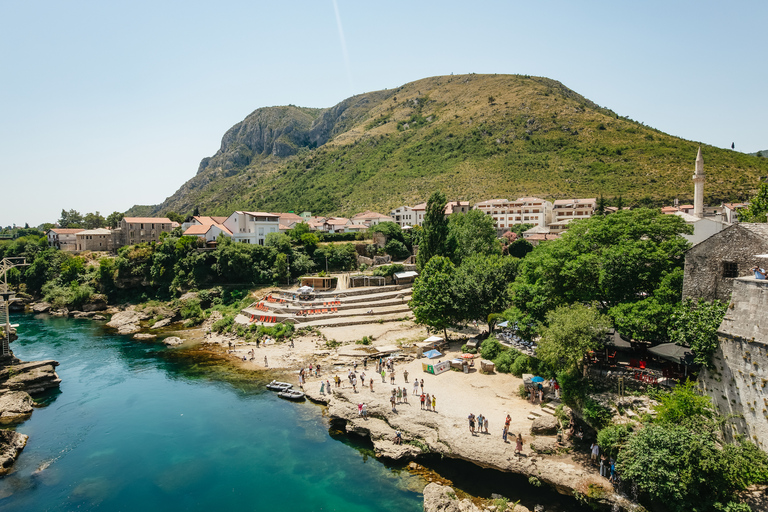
x=596, y=414
x=505, y=360
x=521, y=365
x=223, y=324
x=192, y=312
x=491, y=348
x=388, y=270
x=397, y=250
x=612, y=438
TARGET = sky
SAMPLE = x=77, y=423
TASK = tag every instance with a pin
x=104, y=105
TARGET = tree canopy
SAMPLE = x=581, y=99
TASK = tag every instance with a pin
x=434, y=234
x=432, y=300
x=757, y=211
x=571, y=332
x=470, y=234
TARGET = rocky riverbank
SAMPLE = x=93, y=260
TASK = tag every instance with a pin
x=18, y=381
x=446, y=431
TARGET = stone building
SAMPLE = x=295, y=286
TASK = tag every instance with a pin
x=94, y=240
x=136, y=230
x=737, y=381
x=712, y=266
x=63, y=238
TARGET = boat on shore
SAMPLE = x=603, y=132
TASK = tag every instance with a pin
x=291, y=394
x=276, y=385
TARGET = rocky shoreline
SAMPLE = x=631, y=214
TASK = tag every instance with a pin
x=432, y=433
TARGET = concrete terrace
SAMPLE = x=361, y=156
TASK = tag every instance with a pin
x=335, y=308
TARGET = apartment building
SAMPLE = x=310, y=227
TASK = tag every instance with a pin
x=525, y=210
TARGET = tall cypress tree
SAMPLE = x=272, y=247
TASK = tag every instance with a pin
x=434, y=230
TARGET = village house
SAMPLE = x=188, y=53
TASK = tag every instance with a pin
x=63, y=238
x=403, y=216
x=370, y=218
x=731, y=210
x=289, y=221
x=207, y=228
x=136, y=230
x=414, y=215
x=572, y=209
x=525, y=210
x=712, y=265
x=94, y=240
x=252, y=227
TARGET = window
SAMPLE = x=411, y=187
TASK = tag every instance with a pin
x=730, y=269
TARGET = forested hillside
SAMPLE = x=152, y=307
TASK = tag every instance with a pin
x=474, y=137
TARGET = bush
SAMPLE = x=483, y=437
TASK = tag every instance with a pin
x=612, y=438
x=397, y=250
x=467, y=350
x=388, y=270
x=598, y=416
x=520, y=366
x=223, y=324
x=491, y=348
x=192, y=312
x=505, y=360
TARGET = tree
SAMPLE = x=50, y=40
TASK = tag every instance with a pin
x=472, y=233
x=175, y=217
x=600, y=210
x=757, y=211
x=434, y=236
x=572, y=331
x=299, y=230
x=611, y=260
x=94, y=220
x=432, y=301
x=695, y=324
x=280, y=241
x=481, y=287
x=391, y=230
x=70, y=219
x=310, y=241
x=396, y=249
x=519, y=248
x=114, y=218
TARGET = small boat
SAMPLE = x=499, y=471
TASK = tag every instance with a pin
x=291, y=394
x=279, y=386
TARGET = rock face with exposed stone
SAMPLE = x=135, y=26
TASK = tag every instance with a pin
x=544, y=426
x=126, y=322
x=441, y=498
x=11, y=444
x=15, y=407
x=173, y=341
x=32, y=377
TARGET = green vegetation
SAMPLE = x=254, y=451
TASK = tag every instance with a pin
x=571, y=332
x=695, y=324
x=757, y=211
x=536, y=138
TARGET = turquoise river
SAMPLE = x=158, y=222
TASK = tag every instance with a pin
x=136, y=426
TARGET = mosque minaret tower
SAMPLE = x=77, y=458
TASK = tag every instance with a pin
x=698, y=183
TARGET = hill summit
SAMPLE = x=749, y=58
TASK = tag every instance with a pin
x=474, y=137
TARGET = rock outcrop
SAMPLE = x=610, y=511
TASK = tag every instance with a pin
x=173, y=341
x=441, y=498
x=15, y=407
x=544, y=426
x=127, y=322
x=11, y=444
x=429, y=432
x=32, y=377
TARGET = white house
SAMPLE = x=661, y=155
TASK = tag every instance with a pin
x=570, y=209
x=403, y=216
x=252, y=227
x=525, y=210
x=63, y=238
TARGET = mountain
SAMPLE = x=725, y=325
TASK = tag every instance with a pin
x=474, y=137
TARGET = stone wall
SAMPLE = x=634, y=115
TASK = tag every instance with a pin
x=737, y=383
x=706, y=263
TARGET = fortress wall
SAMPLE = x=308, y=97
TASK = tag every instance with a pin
x=738, y=383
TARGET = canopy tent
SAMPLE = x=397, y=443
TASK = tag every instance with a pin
x=671, y=352
x=615, y=340
x=432, y=354
x=305, y=289
x=433, y=339
x=505, y=323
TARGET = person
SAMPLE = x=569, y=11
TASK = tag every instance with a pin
x=337, y=380
x=434, y=403
x=422, y=385
x=416, y=387
x=399, y=395
x=405, y=375
x=392, y=401
x=557, y=390
x=504, y=433
x=398, y=437
x=265, y=361
x=471, y=419
x=580, y=433
x=362, y=379
x=486, y=424
x=603, y=465
x=360, y=409
x=392, y=377
x=405, y=395
x=428, y=402
x=322, y=387
x=519, y=444
x=613, y=470
x=423, y=397
x=760, y=273
x=383, y=375
x=355, y=365
x=292, y=346
x=480, y=421
x=328, y=386
x=507, y=421
x=595, y=451
x=371, y=384
x=365, y=411
x=354, y=384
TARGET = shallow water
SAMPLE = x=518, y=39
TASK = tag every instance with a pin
x=137, y=426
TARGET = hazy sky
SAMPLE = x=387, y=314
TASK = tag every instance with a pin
x=107, y=104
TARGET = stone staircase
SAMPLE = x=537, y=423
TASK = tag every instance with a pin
x=547, y=408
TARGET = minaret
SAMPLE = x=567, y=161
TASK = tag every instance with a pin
x=698, y=184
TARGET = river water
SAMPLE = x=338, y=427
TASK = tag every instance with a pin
x=136, y=426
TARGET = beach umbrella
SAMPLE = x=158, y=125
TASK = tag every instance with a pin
x=432, y=354
x=505, y=323
x=537, y=379
x=467, y=356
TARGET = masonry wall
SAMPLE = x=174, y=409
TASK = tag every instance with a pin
x=738, y=383
x=705, y=264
